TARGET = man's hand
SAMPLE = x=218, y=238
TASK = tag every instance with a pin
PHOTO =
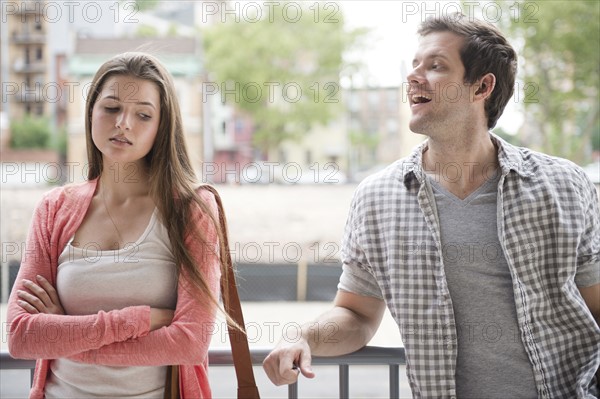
x=41, y=298
x=285, y=363
x=345, y=328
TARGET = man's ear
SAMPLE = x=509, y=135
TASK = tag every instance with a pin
x=485, y=87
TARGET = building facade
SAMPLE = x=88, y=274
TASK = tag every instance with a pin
x=28, y=74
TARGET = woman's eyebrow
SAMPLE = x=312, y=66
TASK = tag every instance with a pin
x=111, y=97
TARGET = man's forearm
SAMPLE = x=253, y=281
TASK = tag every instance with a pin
x=337, y=332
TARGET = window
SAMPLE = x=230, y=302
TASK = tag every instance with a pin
x=282, y=156
x=353, y=102
x=373, y=126
x=392, y=100
x=392, y=126
x=239, y=126
x=38, y=53
x=373, y=99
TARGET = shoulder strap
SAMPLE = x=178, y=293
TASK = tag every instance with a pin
x=240, y=351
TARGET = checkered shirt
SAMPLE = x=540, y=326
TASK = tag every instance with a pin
x=549, y=229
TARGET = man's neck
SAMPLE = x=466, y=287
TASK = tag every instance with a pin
x=462, y=164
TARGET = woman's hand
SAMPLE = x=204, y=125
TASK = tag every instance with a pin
x=160, y=318
x=42, y=297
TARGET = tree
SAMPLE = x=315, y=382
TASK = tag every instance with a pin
x=559, y=69
x=281, y=65
x=30, y=132
x=144, y=30
x=145, y=5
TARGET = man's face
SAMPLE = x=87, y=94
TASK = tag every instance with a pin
x=439, y=99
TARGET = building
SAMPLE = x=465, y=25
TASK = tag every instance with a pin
x=181, y=57
x=27, y=73
x=231, y=132
x=377, y=128
x=371, y=133
x=321, y=156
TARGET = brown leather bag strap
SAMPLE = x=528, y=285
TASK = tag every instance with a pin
x=240, y=351
x=172, y=383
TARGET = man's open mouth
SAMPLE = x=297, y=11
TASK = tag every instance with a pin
x=420, y=99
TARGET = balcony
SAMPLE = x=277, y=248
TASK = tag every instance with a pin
x=32, y=67
x=35, y=7
x=31, y=95
x=28, y=38
x=367, y=356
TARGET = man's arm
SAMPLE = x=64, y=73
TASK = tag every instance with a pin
x=347, y=327
x=591, y=296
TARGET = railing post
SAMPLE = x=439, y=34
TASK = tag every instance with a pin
x=302, y=280
x=344, y=381
x=392, y=357
x=394, y=381
x=293, y=391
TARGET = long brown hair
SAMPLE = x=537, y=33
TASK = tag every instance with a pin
x=172, y=177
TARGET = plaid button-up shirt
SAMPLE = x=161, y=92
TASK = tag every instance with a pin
x=549, y=230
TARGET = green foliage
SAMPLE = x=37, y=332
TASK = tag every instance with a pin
x=30, y=132
x=146, y=31
x=145, y=5
x=363, y=139
x=172, y=32
x=61, y=142
x=559, y=70
x=510, y=138
x=285, y=72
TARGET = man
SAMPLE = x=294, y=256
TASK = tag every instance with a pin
x=486, y=254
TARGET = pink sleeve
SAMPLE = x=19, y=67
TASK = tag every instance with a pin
x=187, y=338
x=44, y=336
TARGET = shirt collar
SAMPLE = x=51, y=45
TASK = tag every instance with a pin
x=510, y=158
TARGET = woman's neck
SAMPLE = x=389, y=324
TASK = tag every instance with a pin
x=125, y=181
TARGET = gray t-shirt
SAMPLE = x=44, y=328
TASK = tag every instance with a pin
x=491, y=362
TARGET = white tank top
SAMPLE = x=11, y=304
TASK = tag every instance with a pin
x=90, y=280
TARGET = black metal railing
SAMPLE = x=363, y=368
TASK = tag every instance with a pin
x=367, y=356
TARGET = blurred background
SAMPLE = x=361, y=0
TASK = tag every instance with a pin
x=287, y=106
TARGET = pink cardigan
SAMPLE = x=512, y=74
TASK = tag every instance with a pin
x=119, y=337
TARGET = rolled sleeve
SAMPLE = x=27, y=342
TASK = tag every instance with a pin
x=356, y=273
x=359, y=281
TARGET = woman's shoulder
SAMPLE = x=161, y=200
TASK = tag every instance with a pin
x=210, y=197
x=69, y=193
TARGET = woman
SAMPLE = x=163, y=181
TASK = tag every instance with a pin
x=120, y=277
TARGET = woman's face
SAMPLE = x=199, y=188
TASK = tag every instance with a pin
x=125, y=119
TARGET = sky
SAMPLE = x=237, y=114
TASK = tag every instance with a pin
x=392, y=39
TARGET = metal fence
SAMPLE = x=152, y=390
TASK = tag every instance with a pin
x=367, y=356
